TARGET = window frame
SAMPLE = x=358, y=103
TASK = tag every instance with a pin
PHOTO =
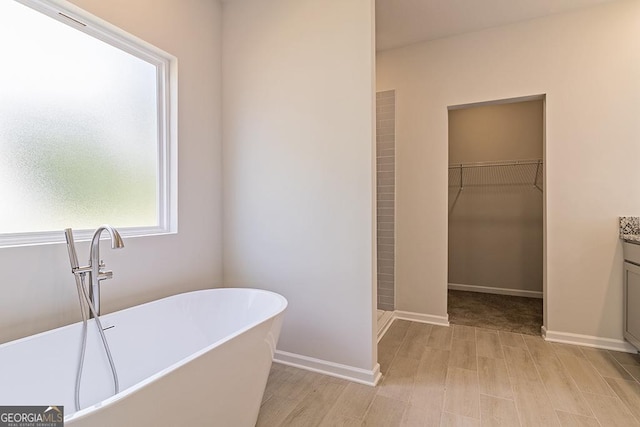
x=167, y=166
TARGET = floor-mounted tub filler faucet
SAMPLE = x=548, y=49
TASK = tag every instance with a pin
x=96, y=267
x=97, y=273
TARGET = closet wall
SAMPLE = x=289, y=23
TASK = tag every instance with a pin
x=495, y=217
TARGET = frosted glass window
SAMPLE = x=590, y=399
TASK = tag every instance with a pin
x=81, y=140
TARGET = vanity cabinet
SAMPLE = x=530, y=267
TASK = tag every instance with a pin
x=632, y=293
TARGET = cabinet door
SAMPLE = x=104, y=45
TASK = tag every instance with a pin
x=632, y=303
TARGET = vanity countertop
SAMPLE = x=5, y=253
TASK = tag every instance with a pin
x=630, y=229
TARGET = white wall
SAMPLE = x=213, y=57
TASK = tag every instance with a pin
x=588, y=65
x=38, y=290
x=298, y=154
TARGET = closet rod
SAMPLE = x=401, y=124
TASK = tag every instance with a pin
x=461, y=166
x=494, y=164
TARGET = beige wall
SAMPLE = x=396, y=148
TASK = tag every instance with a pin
x=496, y=132
x=495, y=222
x=587, y=63
x=38, y=291
x=299, y=165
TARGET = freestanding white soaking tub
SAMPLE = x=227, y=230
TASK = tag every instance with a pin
x=196, y=359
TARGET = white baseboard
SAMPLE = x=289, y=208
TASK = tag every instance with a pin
x=332, y=369
x=422, y=318
x=492, y=290
x=588, y=341
x=387, y=324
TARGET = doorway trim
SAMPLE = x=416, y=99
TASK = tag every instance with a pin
x=536, y=97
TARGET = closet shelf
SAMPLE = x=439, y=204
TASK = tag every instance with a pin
x=504, y=173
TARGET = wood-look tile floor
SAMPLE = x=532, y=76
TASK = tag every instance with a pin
x=464, y=376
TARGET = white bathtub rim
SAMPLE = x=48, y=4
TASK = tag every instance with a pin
x=91, y=321
x=140, y=384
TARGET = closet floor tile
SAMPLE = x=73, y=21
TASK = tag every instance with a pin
x=498, y=312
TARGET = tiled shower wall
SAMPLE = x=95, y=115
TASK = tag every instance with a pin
x=385, y=182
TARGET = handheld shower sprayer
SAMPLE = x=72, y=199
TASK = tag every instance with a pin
x=71, y=249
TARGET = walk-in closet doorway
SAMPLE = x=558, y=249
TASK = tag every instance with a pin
x=495, y=221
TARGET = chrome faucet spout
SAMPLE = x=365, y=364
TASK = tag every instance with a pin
x=116, y=240
x=97, y=266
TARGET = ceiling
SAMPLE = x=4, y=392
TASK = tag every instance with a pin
x=402, y=22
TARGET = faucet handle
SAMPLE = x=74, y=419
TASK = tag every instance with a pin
x=102, y=273
x=105, y=275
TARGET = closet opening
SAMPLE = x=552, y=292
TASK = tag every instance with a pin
x=495, y=230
